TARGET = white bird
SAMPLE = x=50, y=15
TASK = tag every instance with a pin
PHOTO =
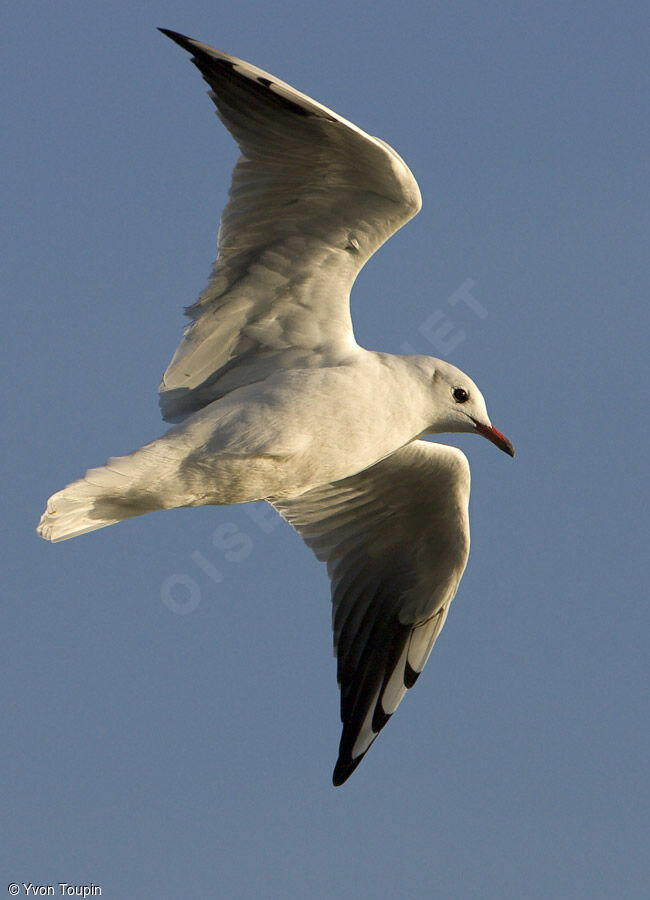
x=275, y=400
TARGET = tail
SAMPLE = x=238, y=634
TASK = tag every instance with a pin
x=102, y=497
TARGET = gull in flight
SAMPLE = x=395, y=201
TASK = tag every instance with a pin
x=271, y=398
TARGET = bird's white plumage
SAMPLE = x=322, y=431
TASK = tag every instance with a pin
x=274, y=399
x=312, y=197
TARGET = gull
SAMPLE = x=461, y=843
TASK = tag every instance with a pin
x=270, y=397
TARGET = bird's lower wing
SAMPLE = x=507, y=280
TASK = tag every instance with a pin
x=395, y=538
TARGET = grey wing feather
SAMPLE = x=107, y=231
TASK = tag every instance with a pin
x=395, y=538
x=312, y=197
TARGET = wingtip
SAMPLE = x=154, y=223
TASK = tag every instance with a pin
x=198, y=51
x=344, y=768
x=180, y=39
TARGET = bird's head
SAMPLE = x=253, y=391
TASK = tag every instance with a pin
x=459, y=405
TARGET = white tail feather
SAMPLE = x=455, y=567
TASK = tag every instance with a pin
x=102, y=497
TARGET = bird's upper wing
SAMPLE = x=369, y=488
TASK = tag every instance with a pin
x=395, y=538
x=312, y=197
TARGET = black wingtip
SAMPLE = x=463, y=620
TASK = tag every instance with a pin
x=170, y=34
x=180, y=39
x=344, y=768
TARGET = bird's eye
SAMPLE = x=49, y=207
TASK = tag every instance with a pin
x=460, y=395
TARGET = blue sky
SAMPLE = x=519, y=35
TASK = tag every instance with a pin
x=171, y=709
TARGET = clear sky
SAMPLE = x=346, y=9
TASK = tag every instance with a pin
x=170, y=700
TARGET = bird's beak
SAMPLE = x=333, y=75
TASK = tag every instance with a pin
x=492, y=434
